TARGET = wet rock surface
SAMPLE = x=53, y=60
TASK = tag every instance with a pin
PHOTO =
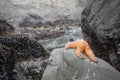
x=36, y=13
x=26, y=58
x=48, y=32
x=19, y=55
x=100, y=25
x=46, y=22
x=53, y=36
x=64, y=65
x=70, y=34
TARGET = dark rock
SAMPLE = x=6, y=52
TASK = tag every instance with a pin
x=6, y=63
x=66, y=22
x=32, y=20
x=100, y=23
x=30, y=70
x=14, y=51
x=36, y=21
x=23, y=46
x=5, y=28
x=48, y=23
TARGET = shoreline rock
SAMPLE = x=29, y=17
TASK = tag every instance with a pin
x=64, y=65
x=100, y=25
x=21, y=58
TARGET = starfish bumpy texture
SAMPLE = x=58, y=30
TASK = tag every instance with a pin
x=80, y=46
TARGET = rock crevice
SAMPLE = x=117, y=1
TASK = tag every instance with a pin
x=100, y=26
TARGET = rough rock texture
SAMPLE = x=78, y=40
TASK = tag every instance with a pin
x=5, y=28
x=40, y=19
x=37, y=12
x=23, y=46
x=57, y=42
x=101, y=26
x=21, y=58
x=30, y=70
x=49, y=32
x=64, y=65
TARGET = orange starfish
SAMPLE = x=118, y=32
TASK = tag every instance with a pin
x=82, y=45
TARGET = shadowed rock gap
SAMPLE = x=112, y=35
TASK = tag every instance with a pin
x=99, y=22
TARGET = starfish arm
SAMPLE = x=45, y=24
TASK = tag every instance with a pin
x=90, y=53
x=79, y=53
x=70, y=45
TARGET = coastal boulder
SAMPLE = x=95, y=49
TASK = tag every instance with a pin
x=64, y=65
